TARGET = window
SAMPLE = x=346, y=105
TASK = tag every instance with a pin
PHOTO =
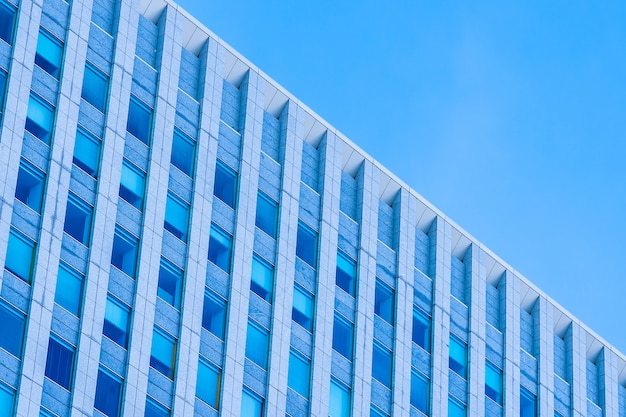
x=458, y=356
x=220, y=247
x=302, y=312
x=376, y=412
x=29, y=189
x=421, y=329
x=3, y=82
x=12, y=334
x=20, y=258
x=116, y=317
x=528, y=403
x=493, y=382
x=49, y=53
x=125, y=251
x=95, y=87
x=163, y=354
x=209, y=383
x=306, y=245
x=383, y=302
x=170, y=283
x=183, y=152
x=251, y=404
x=257, y=344
x=139, y=120
x=6, y=394
x=108, y=393
x=382, y=364
x=176, y=216
x=154, y=409
x=132, y=184
x=420, y=391
x=7, y=22
x=60, y=362
x=343, y=335
x=39, y=118
x=346, y=273
x=225, y=186
x=78, y=219
x=299, y=373
x=69, y=289
x=339, y=400
x=87, y=152
x=266, y=214
x=214, y=314
x=262, y=282
x=456, y=408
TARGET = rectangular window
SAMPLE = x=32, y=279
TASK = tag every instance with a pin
x=225, y=186
x=257, y=344
x=60, y=362
x=132, y=184
x=346, y=273
x=420, y=391
x=220, y=247
x=12, y=334
x=139, y=120
x=69, y=289
x=262, y=281
x=78, y=217
x=339, y=401
x=7, y=395
x=125, y=252
x=302, y=312
x=421, y=329
x=493, y=382
x=95, y=87
x=306, y=244
x=384, y=302
x=163, y=354
x=3, y=83
x=7, y=23
x=176, y=216
x=251, y=404
x=170, y=283
x=528, y=403
x=30, y=185
x=39, y=118
x=49, y=53
x=456, y=408
x=214, y=314
x=87, y=152
x=183, y=152
x=116, y=319
x=382, y=364
x=20, y=259
x=108, y=393
x=458, y=356
x=343, y=336
x=209, y=383
x=266, y=214
x=155, y=409
x=299, y=377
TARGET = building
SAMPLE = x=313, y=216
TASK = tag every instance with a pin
x=178, y=232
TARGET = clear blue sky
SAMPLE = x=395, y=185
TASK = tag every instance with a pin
x=510, y=117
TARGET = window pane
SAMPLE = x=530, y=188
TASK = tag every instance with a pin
x=20, y=257
x=383, y=302
x=3, y=84
x=208, y=385
x=12, y=333
x=116, y=318
x=69, y=290
x=170, y=283
x=528, y=403
x=299, y=373
x=163, y=354
x=302, y=312
x=421, y=329
x=132, y=184
x=78, y=219
x=87, y=152
x=458, y=356
x=183, y=152
x=343, y=337
x=124, y=254
x=6, y=393
x=39, y=119
x=29, y=189
x=7, y=22
x=176, y=217
x=420, y=394
x=139, y=120
x=266, y=214
x=220, y=246
x=95, y=87
x=49, y=53
x=214, y=314
x=60, y=363
x=251, y=405
x=225, y=184
x=108, y=390
x=382, y=365
x=455, y=408
x=339, y=400
x=257, y=343
x=346, y=273
x=262, y=282
x=493, y=382
x=154, y=409
x=306, y=245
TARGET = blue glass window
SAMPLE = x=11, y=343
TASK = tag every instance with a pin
x=20, y=258
x=458, y=356
x=383, y=302
x=382, y=364
x=225, y=187
x=12, y=334
x=209, y=382
x=49, y=53
x=262, y=282
x=339, y=400
x=528, y=403
x=154, y=409
x=116, y=318
x=95, y=87
x=7, y=395
x=125, y=251
x=78, y=216
x=87, y=152
x=214, y=314
x=3, y=84
x=163, y=354
x=257, y=344
x=302, y=312
x=456, y=408
x=220, y=247
x=176, y=217
x=251, y=404
x=299, y=378
x=266, y=214
x=306, y=245
x=493, y=382
x=60, y=362
x=421, y=329
x=139, y=120
x=420, y=391
x=346, y=273
x=69, y=289
x=39, y=118
x=29, y=189
x=132, y=184
x=7, y=22
x=183, y=152
x=170, y=283
x=376, y=412
x=108, y=393
x=343, y=336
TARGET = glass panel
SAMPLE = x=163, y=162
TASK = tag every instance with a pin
x=456, y=408
x=299, y=373
x=528, y=403
x=251, y=405
x=132, y=184
x=95, y=87
x=382, y=363
x=339, y=400
x=220, y=246
x=7, y=22
x=29, y=189
x=69, y=290
x=139, y=120
x=183, y=152
x=302, y=312
x=49, y=53
x=20, y=257
x=170, y=283
x=39, y=119
x=458, y=356
x=87, y=152
x=214, y=314
x=78, y=219
x=421, y=329
x=6, y=393
x=3, y=84
x=163, y=354
x=420, y=394
x=343, y=336
x=116, y=318
x=375, y=412
x=266, y=214
x=346, y=273
x=225, y=184
x=176, y=217
x=493, y=382
x=108, y=390
x=12, y=334
x=154, y=409
x=60, y=362
x=124, y=254
x=257, y=342
x=306, y=245
x=383, y=302
x=262, y=282
x=208, y=385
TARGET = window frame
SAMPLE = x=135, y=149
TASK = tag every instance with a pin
x=496, y=391
x=132, y=242
x=345, y=410
x=380, y=352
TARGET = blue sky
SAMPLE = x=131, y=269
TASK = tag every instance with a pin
x=510, y=117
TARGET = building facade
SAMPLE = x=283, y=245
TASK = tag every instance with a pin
x=181, y=236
